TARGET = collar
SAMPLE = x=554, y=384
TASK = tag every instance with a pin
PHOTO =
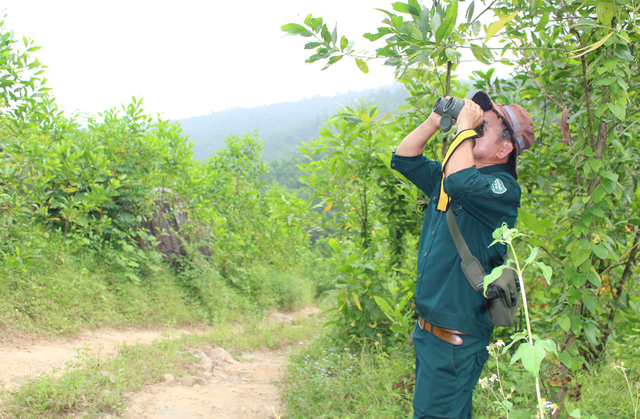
x=487, y=170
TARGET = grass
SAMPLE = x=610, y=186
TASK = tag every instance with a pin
x=92, y=387
x=87, y=293
x=83, y=293
x=329, y=381
x=325, y=380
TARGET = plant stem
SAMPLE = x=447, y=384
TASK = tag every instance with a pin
x=526, y=315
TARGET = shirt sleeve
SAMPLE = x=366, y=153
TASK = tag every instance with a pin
x=490, y=198
x=420, y=170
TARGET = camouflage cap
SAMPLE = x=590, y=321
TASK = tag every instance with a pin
x=516, y=118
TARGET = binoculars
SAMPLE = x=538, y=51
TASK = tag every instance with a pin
x=449, y=110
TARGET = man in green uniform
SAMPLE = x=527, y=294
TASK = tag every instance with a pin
x=477, y=180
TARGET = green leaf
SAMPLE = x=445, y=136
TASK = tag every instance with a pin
x=576, y=324
x=406, y=8
x=470, y=10
x=343, y=43
x=452, y=54
x=397, y=22
x=618, y=110
x=579, y=256
x=566, y=358
x=449, y=22
x=495, y=274
x=531, y=357
x=622, y=52
x=578, y=279
x=333, y=60
x=598, y=194
x=548, y=345
x=496, y=26
x=476, y=26
x=383, y=304
x=533, y=254
x=312, y=45
x=589, y=301
x=531, y=222
x=547, y=271
x=590, y=332
x=575, y=413
x=600, y=251
x=295, y=29
x=594, y=278
x=425, y=26
x=564, y=323
x=334, y=244
x=595, y=164
x=479, y=53
x=362, y=65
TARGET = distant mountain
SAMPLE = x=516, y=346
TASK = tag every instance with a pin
x=282, y=126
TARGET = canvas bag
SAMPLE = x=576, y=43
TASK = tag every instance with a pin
x=503, y=296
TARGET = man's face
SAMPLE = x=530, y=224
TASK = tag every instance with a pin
x=490, y=148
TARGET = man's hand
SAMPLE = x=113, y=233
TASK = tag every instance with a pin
x=471, y=116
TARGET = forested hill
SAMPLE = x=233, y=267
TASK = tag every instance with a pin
x=282, y=126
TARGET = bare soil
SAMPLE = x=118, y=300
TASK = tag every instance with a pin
x=25, y=357
x=232, y=390
x=222, y=388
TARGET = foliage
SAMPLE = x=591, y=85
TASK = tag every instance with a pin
x=86, y=189
x=574, y=67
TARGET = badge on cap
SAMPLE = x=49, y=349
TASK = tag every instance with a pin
x=498, y=187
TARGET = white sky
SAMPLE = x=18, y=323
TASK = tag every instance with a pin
x=189, y=58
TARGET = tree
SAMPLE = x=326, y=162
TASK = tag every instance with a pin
x=574, y=67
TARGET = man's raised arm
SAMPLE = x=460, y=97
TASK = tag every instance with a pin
x=413, y=144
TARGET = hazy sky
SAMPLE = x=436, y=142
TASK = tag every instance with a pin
x=189, y=58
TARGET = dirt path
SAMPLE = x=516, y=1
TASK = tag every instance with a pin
x=225, y=389
x=19, y=360
x=222, y=387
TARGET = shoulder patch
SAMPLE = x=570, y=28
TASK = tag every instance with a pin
x=498, y=187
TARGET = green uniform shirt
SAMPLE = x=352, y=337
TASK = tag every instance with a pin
x=481, y=199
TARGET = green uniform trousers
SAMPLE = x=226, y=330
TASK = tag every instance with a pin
x=445, y=375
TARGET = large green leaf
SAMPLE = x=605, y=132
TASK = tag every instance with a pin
x=295, y=29
x=579, y=256
x=531, y=357
x=496, y=26
x=444, y=30
x=531, y=222
x=362, y=65
x=406, y=8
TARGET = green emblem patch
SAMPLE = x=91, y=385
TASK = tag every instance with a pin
x=498, y=187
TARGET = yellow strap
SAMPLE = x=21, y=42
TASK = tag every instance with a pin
x=444, y=200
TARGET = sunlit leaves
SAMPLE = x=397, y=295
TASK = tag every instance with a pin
x=362, y=65
x=444, y=30
x=295, y=29
x=496, y=26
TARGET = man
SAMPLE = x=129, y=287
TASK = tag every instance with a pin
x=477, y=180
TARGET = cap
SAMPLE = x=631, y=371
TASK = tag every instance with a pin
x=516, y=117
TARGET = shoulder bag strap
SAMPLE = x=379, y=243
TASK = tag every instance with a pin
x=471, y=266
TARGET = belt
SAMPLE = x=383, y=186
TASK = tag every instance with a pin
x=448, y=335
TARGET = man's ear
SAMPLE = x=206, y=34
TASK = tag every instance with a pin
x=505, y=149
